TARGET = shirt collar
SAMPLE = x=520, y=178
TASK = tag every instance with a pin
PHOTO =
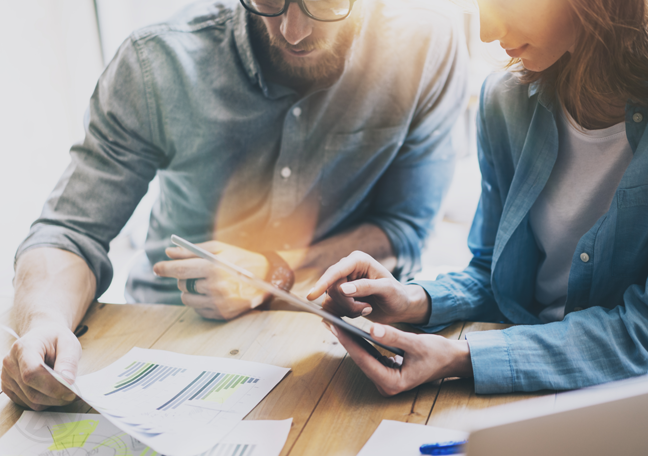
x=242, y=40
x=545, y=99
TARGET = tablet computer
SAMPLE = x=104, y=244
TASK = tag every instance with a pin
x=290, y=298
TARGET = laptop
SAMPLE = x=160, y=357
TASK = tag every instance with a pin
x=604, y=420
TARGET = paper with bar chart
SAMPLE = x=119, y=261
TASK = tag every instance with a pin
x=83, y=434
x=178, y=404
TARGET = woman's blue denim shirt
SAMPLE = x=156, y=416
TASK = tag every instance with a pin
x=604, y=335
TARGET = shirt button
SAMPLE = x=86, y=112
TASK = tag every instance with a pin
x=297, y=112
x=637, y=117
x=286, y=172
x=577, y=309
x=584, y=257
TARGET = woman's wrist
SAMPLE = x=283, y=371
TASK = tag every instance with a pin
x=462, y=363
x=418, y=307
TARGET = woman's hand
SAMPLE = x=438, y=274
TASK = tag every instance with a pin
x=359, y=285
x=427, y=357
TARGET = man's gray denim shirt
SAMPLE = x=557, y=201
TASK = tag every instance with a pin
x=250, y=162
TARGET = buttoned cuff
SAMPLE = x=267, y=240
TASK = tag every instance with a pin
x=491, y=362
x=444, y=306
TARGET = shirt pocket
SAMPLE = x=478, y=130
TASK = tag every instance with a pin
x=351, y=158
x=631, y=197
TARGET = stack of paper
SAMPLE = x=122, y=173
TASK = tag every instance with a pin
x=176, y=404
x=79, y=434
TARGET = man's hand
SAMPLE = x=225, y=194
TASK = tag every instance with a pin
x=360, y=285
x=427, y=358
x=26, y=382
x=222, y=295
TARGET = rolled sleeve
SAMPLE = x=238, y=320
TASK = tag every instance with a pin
x=491, y=362
x=109, y=171
x=44, y=235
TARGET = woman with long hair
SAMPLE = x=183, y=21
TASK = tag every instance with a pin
x=560, y=237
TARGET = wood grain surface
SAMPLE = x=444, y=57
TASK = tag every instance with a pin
x=334, y=407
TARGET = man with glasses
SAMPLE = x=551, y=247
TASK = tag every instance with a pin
x=285, y=134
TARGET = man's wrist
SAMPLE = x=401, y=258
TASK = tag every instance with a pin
x=419, y=306
x=279, y=272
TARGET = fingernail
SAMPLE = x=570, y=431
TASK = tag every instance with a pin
x=348, y=288
x=326, y=325
x=334, y=331
x=378, y=330
x=310, y=291
x=366, y=311
x=69, y=376
x=69, y=397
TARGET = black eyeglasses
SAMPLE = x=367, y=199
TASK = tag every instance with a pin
x=320, y=10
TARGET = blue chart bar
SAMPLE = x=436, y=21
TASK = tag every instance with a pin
x=132, y=369
x=182, y=396
x=143, y=375
x=230, y=449
x=205, y=384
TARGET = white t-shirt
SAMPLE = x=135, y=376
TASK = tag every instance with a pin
x=581, y=187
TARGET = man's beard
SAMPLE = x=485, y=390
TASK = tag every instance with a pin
x=328, y=65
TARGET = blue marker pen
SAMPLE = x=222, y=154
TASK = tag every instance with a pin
x=443, y=448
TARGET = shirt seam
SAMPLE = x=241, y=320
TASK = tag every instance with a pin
x=161, y=29
x=510, y=363
x=146, y=75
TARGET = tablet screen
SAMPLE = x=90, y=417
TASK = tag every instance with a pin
x=298, y=302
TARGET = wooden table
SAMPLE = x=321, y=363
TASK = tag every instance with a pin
x=334, y=407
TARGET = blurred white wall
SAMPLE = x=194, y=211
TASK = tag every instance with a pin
x=118, y=18
x=50, y=59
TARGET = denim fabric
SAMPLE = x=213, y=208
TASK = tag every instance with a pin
x=253, y=163
x=604, y=335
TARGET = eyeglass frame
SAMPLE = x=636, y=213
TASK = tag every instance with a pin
x=302, y=7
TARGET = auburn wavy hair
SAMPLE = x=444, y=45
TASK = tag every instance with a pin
x=609, y=65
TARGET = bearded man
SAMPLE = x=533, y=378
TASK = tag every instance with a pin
x=285, y=134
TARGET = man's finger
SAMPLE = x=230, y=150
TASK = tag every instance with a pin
x=31, y=398
x=178, y=253
x=192, y=268
x=197, y=301
x=14, y=397
x=200, y=286
x=68, y=353
x=210, y=314
x=32, y=376
x=11, y=389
